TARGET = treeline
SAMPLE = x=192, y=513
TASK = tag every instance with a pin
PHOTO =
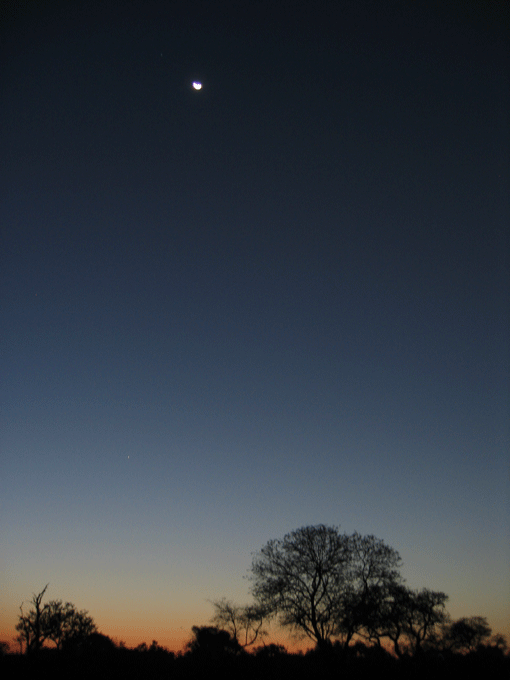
x=214, y=653
x=342, y=592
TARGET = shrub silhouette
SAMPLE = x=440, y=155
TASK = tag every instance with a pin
x=212, y=643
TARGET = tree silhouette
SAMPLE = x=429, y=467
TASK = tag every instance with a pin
x=244, y=623
x=316, y=580
x=59, y=622
x=407, y=617
x=383, y=615
x=66, y=625
x=372, y=571
x=30, y=626
x=423, y=612
x=466, y=634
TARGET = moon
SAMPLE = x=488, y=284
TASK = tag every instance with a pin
x=197, y=85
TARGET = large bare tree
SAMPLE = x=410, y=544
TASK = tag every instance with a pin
x=316, y=580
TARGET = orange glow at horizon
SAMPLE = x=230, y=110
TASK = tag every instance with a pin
x=175, y=636
x=174, y=640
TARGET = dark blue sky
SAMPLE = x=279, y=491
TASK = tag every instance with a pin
x=284, y=297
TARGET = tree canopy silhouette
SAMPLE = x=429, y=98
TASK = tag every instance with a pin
x=317, y=580
x=56, y=621
x=467, y=634
x=409, y=618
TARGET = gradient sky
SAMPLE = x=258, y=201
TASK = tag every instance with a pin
x=279, y=301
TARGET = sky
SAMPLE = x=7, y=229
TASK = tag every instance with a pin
x=279, y=301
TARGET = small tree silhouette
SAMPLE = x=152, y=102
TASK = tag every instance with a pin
x=60, y=623
x=244, y=623
x=467, y=634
